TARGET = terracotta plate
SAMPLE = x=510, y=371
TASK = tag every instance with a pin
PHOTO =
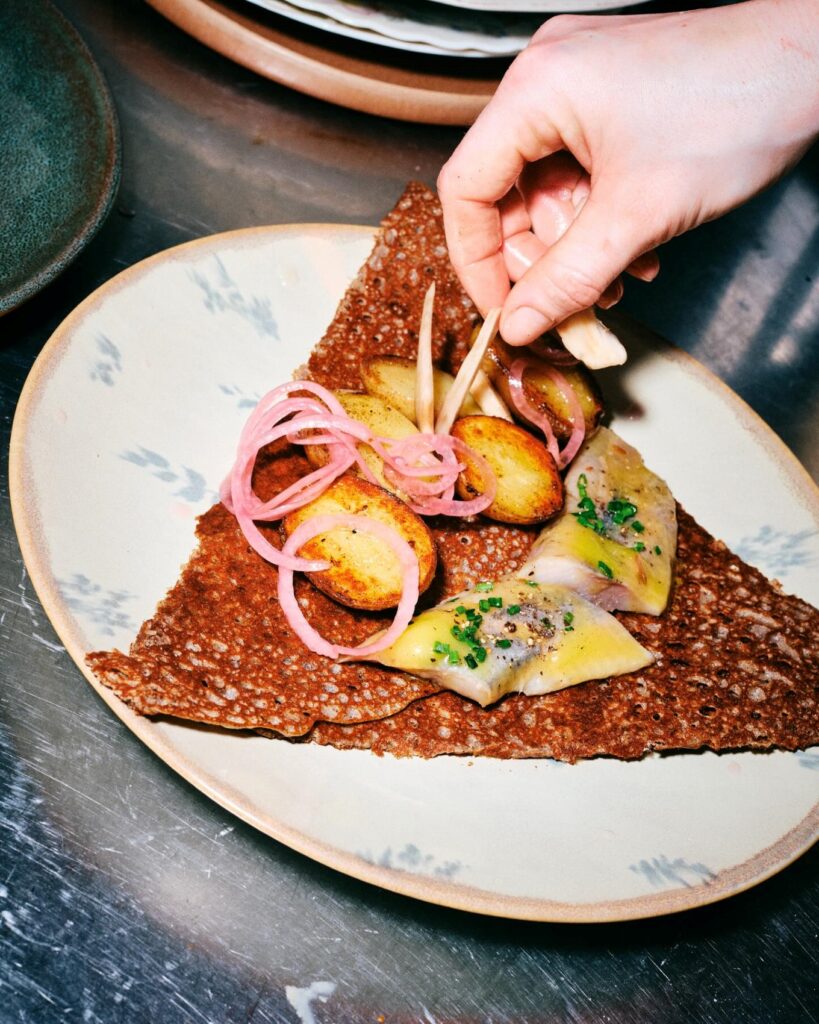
x=369, y=84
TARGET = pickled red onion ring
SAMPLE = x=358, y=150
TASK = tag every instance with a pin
x=410, y=570
x=535, y=416
x=424, y=466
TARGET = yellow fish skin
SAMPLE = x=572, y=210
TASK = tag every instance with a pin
x=534, y=638
x=616, y=539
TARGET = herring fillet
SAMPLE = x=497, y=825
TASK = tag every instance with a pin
x=510, y=637
x=620, y=565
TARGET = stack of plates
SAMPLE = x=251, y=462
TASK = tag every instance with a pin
x=436, y=61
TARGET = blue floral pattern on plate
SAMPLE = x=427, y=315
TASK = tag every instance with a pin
x=193, y=485
x=103, y=608
x=222, y=294
x=660, y=871
x=776, y=552
x=108, y=361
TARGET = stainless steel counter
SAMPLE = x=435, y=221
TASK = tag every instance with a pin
x=125, y=895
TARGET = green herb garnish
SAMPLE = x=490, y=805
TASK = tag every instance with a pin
x=503, y=642
x=471, y=661
x=605, y=569
x=484, y=605
x=495, y=602
x=513, y=609
x=484, y=586
x=620, y=510
x=460, y=610
x=440, y=648
x=658, y=550
x=637, y=526
x=532, y=583
x=639, y=546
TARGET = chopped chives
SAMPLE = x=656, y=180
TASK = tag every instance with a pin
x=453, y=658
x=440, y=648
x=495, y=602
x=469, y=659
x=532, y=583
x=461, y=610
x=513, y=609
x=568, y=618
x=483, y=604
x=658, y=550
x=480, y=653
x=605, y=569
x=503, y=642
x=637, y=526
x=639, y=546
x=483, y=586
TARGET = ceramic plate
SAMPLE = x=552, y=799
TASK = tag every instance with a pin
x=539, y=6
x=124, y=430
x=363, y=83
x=59, y=148
x=421, y=28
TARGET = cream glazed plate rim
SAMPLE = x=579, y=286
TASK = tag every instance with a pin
x=305, y=252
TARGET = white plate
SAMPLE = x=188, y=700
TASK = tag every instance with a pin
x=540, y=6
x=124, y=429
x=418, y=28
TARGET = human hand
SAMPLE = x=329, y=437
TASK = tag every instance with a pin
x=611, y=135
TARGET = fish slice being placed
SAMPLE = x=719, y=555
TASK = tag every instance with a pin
x=514, y=637
x=615, y=540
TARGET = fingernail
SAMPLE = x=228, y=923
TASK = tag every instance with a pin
x=612, y=295
x=524, y=325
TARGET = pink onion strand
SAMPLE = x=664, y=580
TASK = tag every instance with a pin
x=410, y=571
x=528, y=411
x=424, y=467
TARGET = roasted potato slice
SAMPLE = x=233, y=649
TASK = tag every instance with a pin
x=364, y=571
x=392, y=379
x=380, y=417
x=529, y=487
x=542, y=391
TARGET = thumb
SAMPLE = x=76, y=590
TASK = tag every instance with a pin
x=571, y=275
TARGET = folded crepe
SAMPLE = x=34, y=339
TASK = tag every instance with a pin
x=736, y=660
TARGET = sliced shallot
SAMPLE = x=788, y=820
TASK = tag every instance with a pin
x=535, y=416
x=407, y=560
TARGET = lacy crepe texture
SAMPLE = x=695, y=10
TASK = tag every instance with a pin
x=736, y=659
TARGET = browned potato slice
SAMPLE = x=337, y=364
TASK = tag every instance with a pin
x=392, y=378
x=543, y=393
x=364, y=571
x=529, y=485
x=380, y=417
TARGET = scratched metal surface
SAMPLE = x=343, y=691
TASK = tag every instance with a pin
x=127, y=896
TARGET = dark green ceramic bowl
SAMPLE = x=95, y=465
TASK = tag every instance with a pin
x=59, y=147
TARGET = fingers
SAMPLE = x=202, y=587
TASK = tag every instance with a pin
x=645, y=267
x=612, y=295
x=480, y=173
x=577, y=270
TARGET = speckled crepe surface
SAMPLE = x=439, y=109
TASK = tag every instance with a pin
x=737, y=667
x=736, y=660
x=218, y=649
